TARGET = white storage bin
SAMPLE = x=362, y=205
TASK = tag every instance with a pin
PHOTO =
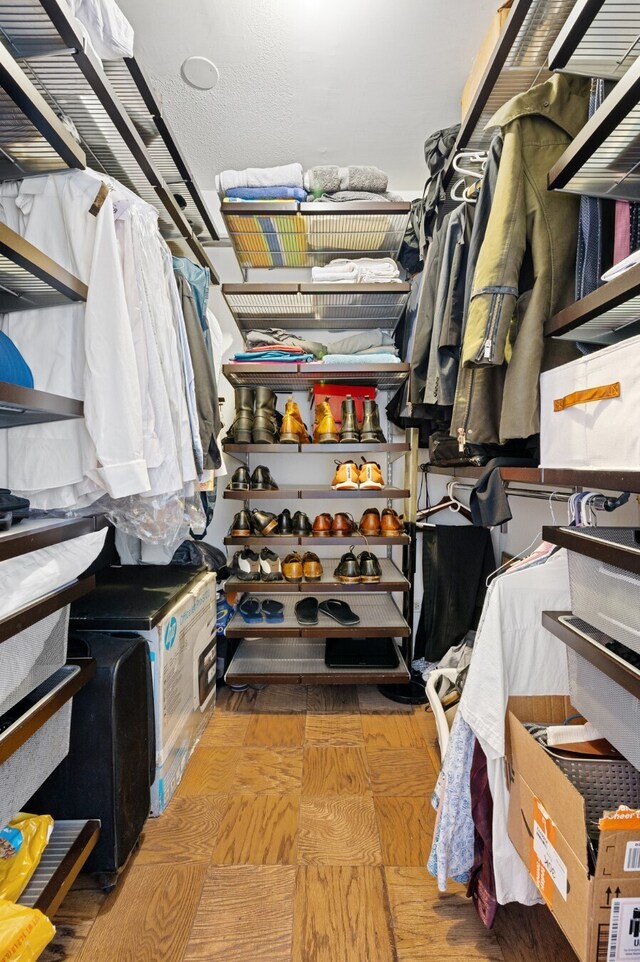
x=28, y=767
x=605, y=596
x=613, y=710
x=32, y=656
x=588, y=410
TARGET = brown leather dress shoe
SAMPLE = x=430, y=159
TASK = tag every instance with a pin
x=322, y=525
x=292, y=568
x=311, y=566
x=392, y=523
x=342, y=525
x=370, y=523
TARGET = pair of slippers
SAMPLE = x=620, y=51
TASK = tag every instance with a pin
x=252, y=611
x=307, y=612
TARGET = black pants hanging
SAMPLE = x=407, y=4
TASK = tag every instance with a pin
x=456, y=562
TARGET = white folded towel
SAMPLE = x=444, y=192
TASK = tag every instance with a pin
x=288, y=175
x=362, y=270
x=622, y=266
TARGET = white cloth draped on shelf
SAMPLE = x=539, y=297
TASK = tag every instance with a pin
x=287, y=175
x=107, y=28
x=513, y=655
x=360, y=270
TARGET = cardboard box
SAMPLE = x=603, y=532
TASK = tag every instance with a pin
x=598, y=909
x=183, y=661
x=484, y=55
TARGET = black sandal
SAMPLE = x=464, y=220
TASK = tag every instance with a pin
x=340, y=612
x=307, y=611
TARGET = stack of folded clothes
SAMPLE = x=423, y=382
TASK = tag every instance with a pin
x=362, y=270
x=262, y=183
x=280, y=352
x=329, y=184
x=278, y=345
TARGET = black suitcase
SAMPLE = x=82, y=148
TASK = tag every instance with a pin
x=111, y=762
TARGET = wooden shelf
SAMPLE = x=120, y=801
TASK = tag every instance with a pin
x=33, y=139
x=602, y=160
x=299, y=661
x=379, y=617
x=619, y=547
x=56, y=692
x=608, y=315
x=553, y=477
x=24, y=405
x=519, y=61
x=392, y=580
x=47, y=39
x=289, y=377
x=29, y=279
x=32, y=534
x=591, y=645
x=397, y=449
x=317, y=307
x=289, y=234
x=599, y=39
x=40, y=609
x=68, y=849
x=298, y=493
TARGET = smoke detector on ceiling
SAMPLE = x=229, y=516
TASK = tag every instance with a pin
x=200, y=72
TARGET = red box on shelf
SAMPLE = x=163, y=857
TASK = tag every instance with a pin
x=336, y=393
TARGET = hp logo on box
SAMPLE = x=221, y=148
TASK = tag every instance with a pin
x=170, y=633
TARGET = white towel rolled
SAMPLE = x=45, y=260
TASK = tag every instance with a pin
x=287, y=175
x=362, y=270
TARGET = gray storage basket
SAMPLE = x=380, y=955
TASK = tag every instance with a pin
x=613, y=710
x=32, y=656
x=27, y=768
x=605, y=596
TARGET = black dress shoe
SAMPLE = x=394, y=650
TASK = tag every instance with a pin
x=370, y=570
x=302, y=527
x=348, y=571
x=240, y=479
x=264, y=522
x=261, y=479
x=241, y=525
x=285, y=525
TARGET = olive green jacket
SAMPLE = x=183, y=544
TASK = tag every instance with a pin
x=525, y=269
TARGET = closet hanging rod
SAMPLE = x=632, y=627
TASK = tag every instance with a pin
x=602, y=502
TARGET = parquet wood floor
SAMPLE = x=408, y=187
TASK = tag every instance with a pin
x=299, y=833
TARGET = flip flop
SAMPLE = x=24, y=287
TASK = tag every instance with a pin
x=307, y=611
x=340, y=612
x=273, y=610
x=250, y=611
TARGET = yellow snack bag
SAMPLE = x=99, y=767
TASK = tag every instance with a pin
x=22, y=843
x=24, y=933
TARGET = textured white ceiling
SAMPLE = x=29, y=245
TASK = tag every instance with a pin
x=315, y=81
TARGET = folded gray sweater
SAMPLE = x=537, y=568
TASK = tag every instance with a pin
x=328, y=179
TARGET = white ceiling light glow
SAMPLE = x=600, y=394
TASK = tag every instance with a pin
x=200, y=72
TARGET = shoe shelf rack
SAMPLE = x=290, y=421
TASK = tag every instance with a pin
x=328, y=307
x=379, y=617
x=300, y=376
x=292, y=234
x=519, y=61
x=392, y=579
x=71, y=842
x=313, y=493
x=120, y=124
x=29, y=279
x=319, y=541
x=602, y=160
x=286, y=661
x=394, y=450
x=599, y=39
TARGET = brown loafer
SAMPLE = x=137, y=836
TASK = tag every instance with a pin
x=292, y=569
x=392, y=523
x=342, y=525
x=370, y=523
x=311, y=566
x=322, y=525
